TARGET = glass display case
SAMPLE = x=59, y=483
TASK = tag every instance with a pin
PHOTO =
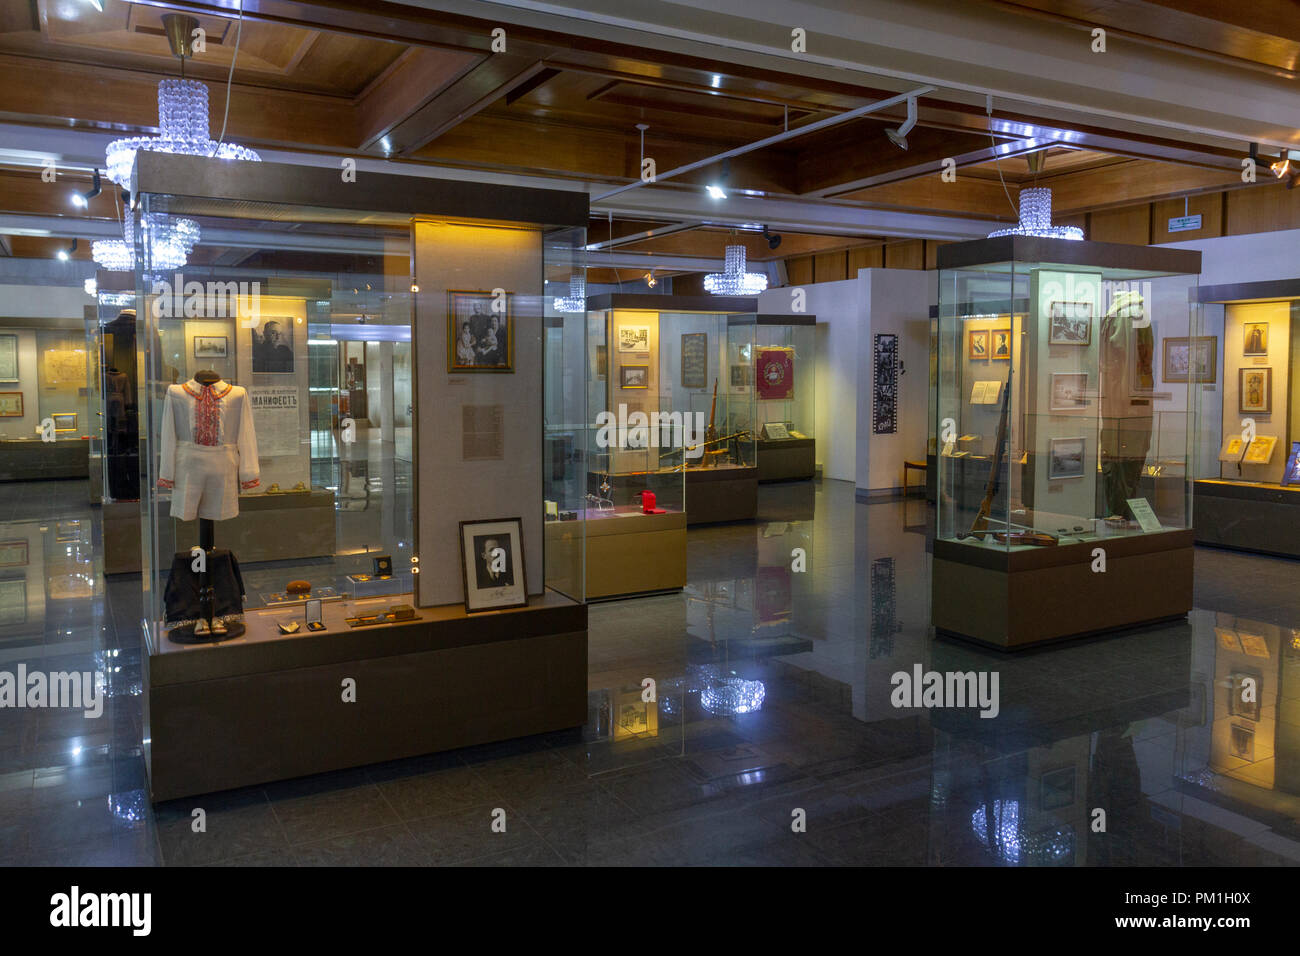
x=783, y=375
x=1248, y=492
x=299, y=512
x=680, y=366
x=1063, y=464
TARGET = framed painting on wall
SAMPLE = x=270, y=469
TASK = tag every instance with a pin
x=1065, y=458
x=1191, y=359
x=634, y=376
x=8, y=358
x=1000, y=347
x=13, y=554
x=1254, y=338
x=1071, y=323
x=11, y=404
x=977, y=344
x=695, y=359
x=1255, y=391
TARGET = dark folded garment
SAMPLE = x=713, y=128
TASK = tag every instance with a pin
x=181, y=596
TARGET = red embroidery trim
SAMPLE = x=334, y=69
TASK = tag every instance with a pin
x=207, y=417
x=250, y=484
x=166, y=483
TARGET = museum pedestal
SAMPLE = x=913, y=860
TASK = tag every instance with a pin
x=786, y=459
x=1016, y=598
x=266, y=707
x=1248, y=516
x=37, y=460
x=725, y=493
x=628, y=553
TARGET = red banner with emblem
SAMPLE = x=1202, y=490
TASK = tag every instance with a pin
x=775, y=373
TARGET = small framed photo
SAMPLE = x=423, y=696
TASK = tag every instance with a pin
x=634, y=338
x=65, y=421
x=634, y=376
x=11, y=404
x=492, y=564
x=1000, y=345
x=210, y=347
x=1191, y=359
x=1065, y=458
x=480, y=332
x=8, y=358
x=1056, y=789
x=1071, y=323
x=1242, y=742
x=382, y=566
x=1255, y=391
x=1254, y=338
x=1069, y=391
x=977, y=344
x=742, y=376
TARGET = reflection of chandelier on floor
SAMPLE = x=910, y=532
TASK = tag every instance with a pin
x=734, y=280
x=1036, y=218
x=576, y=300
x=183, y=121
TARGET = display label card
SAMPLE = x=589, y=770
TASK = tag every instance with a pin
x=1185, y=223
x=1144, y=514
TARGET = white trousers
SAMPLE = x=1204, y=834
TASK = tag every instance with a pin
x=207, y=482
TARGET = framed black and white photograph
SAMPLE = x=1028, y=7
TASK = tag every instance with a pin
x=64, y=421
x=884, y=405
x=8, y=358
x=273, y=346
x=1254, y=338
x=634, y=376
x=492, y=562
x=480, y=332
x=1191, y=359
x=1069, y=391
x=1065, y=458
x=212, y=347
x=1071, y=323
x=634, y=338
x=1000, y=350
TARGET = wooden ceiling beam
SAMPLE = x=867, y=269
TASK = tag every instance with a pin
x=406, y=87
x=1136, y=181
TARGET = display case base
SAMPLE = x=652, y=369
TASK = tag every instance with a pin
x=267, y=707
x=791, y=459
x=37, y=460
x=1027, y=596
x=715, y=495
x=626, y=556
x=1264, y=519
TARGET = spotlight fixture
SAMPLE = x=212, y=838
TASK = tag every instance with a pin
x=715, y=191
x=899, y=136
x=66, y=254
x=82, y=200
x=1287, y=168
x=650, y=280
x=773, y=239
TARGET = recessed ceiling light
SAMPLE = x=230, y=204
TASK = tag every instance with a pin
x=715, y=192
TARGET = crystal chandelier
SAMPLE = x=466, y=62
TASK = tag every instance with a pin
x=1036, y=218
x=576, y=300
x=734, y=280
x=168, y=244
x=183, y=120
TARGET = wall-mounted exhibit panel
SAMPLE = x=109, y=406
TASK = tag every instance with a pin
x=45, y=381
x=1064, y=488
x=783, y=378
x=341, y=468
x=1251, y=498
x=678, y=372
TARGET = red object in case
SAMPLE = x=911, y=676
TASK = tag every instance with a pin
x=648, y=504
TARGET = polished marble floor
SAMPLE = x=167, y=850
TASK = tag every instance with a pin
x=772, y=740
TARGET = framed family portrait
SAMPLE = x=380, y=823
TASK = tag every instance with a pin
x=480, y=334
x=634, y=376
x=1254, y=338
x=1065, y=458
x=977, y=344
x=1069, y=391
x=210, y=347
x=1191, y=359
x=1071, y=323
x=492, y=564
x=1255, y=391
x=11, y=404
